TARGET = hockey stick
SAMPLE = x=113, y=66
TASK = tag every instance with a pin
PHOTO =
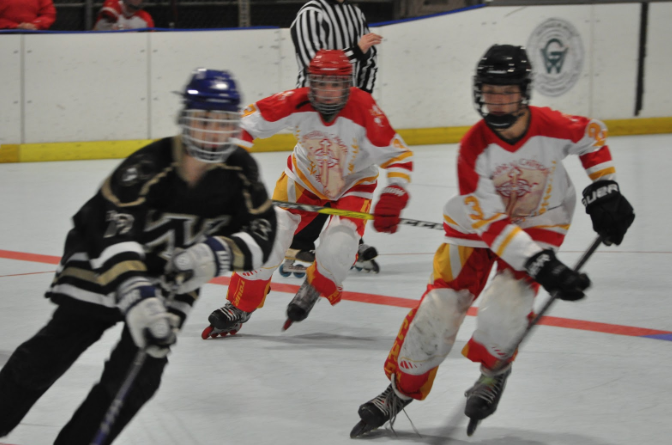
x=554, y=296
x=118, y=402
x=353, y=214
x=127, y=384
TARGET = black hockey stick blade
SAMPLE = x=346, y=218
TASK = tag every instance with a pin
x=471, y=428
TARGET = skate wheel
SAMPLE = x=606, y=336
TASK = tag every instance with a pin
x=299, y=274
x=471, y=428
x=233, y=332
x=283, y=273
x=359, y=269
x=206, y=332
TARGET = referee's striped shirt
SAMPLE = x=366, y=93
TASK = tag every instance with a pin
x=327, y=24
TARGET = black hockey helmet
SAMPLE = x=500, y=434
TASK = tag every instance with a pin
x=503, y=65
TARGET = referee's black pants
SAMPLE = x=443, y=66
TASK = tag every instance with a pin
x=40, y=361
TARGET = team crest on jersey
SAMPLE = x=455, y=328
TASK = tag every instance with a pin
x=140, y=171
x=522, y=185
x=284, y=95
x=378, y=115
x=327, y=155
x=118, y=223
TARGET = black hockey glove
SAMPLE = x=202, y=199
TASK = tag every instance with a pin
x=555, y=276
x=610, y=212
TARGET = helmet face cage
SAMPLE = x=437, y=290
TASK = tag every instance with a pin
x=133, y=6
x=503, y=65
x=210, y=119
x=329, y=94
x=209, y=135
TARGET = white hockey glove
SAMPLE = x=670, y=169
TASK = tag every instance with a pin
x=152, y=327
x=200, y=263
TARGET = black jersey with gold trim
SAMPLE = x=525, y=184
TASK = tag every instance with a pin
x=146, y=209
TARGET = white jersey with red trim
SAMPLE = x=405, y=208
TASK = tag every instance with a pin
x=505, y=188
x=115, y=16
x=337, y=158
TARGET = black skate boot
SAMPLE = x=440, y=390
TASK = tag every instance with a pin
x=365, y=259
x=483, y=397
x=379, y=410
x=300, y=306
x=296, y=262
x=224, y=321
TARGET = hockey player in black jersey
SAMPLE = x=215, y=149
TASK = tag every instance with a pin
x=191, y=205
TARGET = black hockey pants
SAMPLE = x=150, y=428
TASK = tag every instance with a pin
x=40, y=361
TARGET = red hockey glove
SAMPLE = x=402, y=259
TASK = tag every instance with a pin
x=387, y=211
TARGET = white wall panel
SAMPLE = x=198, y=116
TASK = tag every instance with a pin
x=658, y=62
x=10, y=89
x=85, y=87
x=615, y=53
x=252, y=56
x=430, y=63
x=425, y=72
x=577, y=99
x=289, y=69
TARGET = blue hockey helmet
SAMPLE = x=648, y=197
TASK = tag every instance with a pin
x=210, y=119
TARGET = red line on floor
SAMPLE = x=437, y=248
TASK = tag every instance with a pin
x=32, y=257
x=409, y=303
x=21, y=274
x=360, y=297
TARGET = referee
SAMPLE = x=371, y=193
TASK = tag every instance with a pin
x=335, y=24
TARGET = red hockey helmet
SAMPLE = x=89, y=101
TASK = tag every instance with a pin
x=330, y=62
x=329, y=79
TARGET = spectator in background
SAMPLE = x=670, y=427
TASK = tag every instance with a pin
x=333, y=24
x=27, y=14
x=123, y=14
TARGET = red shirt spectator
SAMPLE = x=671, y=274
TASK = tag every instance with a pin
x=123, y=14
x=27, y=14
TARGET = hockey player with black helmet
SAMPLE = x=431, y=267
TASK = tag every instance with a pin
x=191, y=206
x=514, y=208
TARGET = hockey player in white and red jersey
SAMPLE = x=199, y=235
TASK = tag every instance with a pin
x=514, y=208
x=117, y=15
x=341, y=135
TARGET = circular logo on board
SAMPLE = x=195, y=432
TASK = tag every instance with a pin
x=556, y=52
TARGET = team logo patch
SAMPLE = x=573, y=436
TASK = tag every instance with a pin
x=140, y=171
x=118, y=223
x=556, y=52
x=327, y=155
x=261, y=227
x=521, y=184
